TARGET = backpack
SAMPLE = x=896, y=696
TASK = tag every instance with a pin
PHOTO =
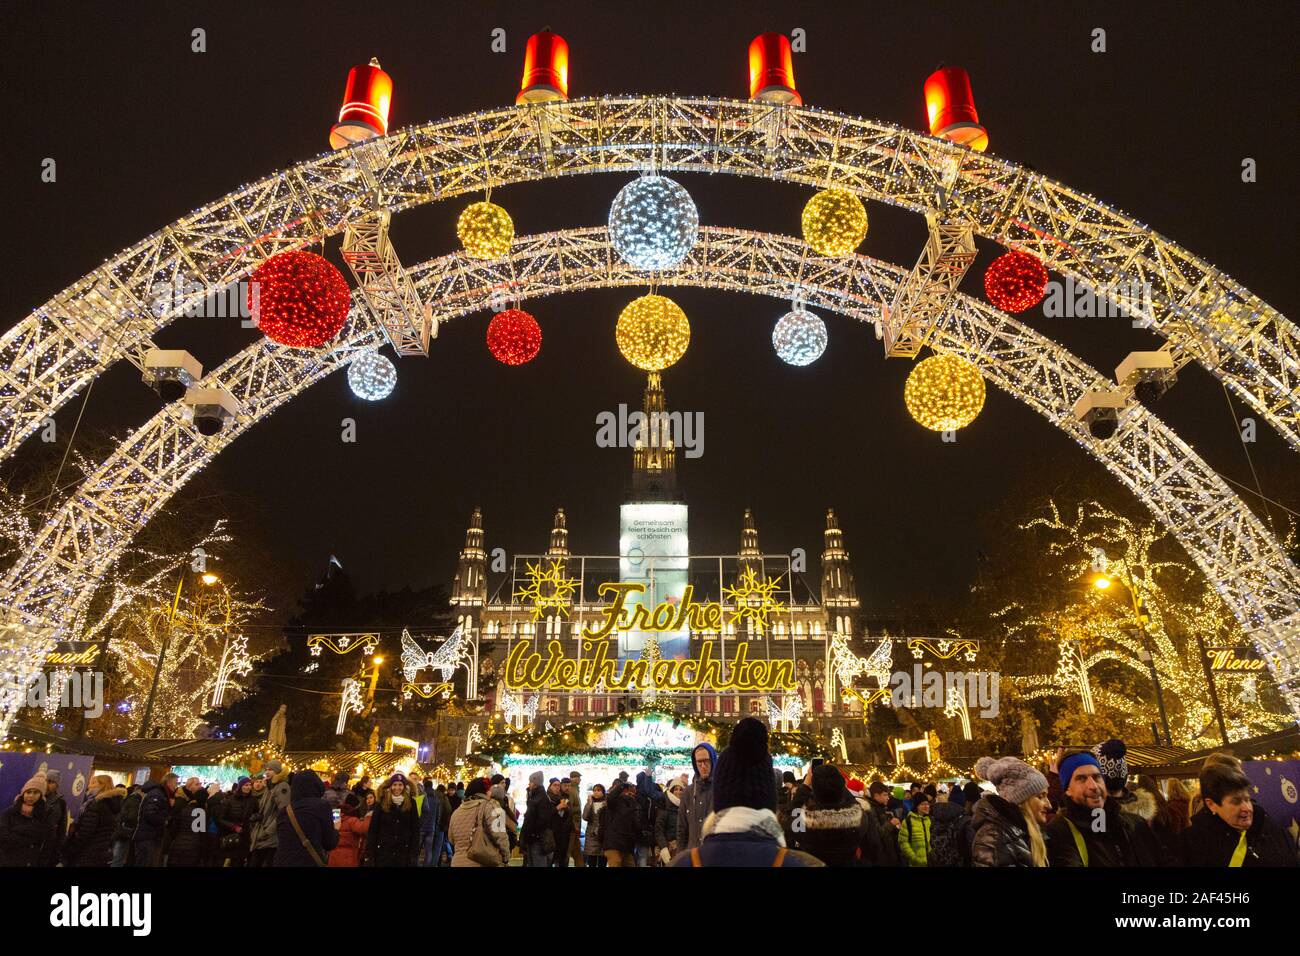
x=945, y=843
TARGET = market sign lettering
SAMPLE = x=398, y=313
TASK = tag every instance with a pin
x=73, y=654
x=1226, y=659
x=665, y=616
x=526, y=669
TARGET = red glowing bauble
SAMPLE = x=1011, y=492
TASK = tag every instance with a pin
x=298, y=299
x=1015, y=281
x=514, y=337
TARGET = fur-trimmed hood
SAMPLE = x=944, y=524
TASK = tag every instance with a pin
x=1143, y=804
x=111, y=792
x=833, y=818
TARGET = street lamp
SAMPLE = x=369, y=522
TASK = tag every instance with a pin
x=209, y=580
x=1103, y=582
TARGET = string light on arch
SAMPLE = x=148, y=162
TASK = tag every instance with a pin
x=1015, y=281
x=485, y=230
x=799, y=337
x=944, y=393
x=834, y=222
x=652, y=332
x=653, y=223
x=298, y=299
x=514, y=337
x=372, y=376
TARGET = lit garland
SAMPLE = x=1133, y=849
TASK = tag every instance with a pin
x=653, y=223
x=652, y=332
x=298, y=299
x=1015, y=281
x=485, y=230
x=372, y=376
x=834, y=222
x=944, y=392
x=799, y=337
x=514, y=337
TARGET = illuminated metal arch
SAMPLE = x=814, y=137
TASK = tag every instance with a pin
x=53, y=582
x=105, y=316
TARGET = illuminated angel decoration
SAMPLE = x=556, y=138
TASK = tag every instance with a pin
x=445, y=660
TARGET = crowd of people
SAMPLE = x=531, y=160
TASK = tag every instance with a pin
x=734, y=809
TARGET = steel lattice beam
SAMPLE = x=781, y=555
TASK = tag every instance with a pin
x=53, y=583
x=51, y=355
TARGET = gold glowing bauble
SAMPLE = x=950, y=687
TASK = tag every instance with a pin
x=485, y=230
x=944, y=393
x=652, y=332
x=834, y=222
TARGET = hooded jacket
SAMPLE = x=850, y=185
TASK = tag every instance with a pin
x=743, y=836
x=155, y=805
x=307, y=798
x=833, y=834
x=539, y=817
x=91, y=841
x=1001, y=834
x=697, y=801
x=649, y=800
x=183, y=845
x=23, y=839
x=266, y=824
x=477, y=810
x=666, y=821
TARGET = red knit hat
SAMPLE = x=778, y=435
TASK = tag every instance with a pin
x=855, y=786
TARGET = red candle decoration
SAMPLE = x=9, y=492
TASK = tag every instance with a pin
x=514, y=337
x=298, y=299
x=1015, y=281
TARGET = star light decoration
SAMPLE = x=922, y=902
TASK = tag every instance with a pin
x=754, y=599
x=652, y=332
x=834, y=222
x=944, y=392
x=548, y=588
x=799, y=337
x=485, y=230
x=371, y=376
x=298, y=299
x=653, y=223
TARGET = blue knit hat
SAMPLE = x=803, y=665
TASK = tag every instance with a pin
x=1072, y=763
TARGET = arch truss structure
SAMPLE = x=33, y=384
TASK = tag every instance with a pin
x=112, y=313
x=54, y=581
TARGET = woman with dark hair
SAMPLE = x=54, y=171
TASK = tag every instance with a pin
x=25, y=827
x=1180, y=801
x=1232, y=831
x=394, y=837
x=233, y=827
x=477, y=813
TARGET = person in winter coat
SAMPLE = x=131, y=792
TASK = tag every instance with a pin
x=337, y=790
x=266, y=819
x=871, y=852
x=1179, y=805
x=127, y=818
x=666, y=822
x=565, y=810
x=830, y=824
x=235, y=825
x=886, y=822
x=183, y=843
x=1008, y=824
x=354, y=824
x=362, y=787
x=1234, y=832
x=427, y=806
x=151, y=822
x=743, y=830
x=475, y=812
x=91, y=841
x=394, y=837
x=951, y=832
x=56, y=809
x=537, y=837
x=649, y=798
x=309, y=842
x=444, y=818
x=1150, y=804
x=25, y=830
x=697, y=801
x=620, y=827
x=916, y=832
x=500, y=792
x=1090, y=829
x=593, y=814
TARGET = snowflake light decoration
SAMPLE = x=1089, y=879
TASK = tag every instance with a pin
x=754, y=599
x=548, y=588
x=653, y=223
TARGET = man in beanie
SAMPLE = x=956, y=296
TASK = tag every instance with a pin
x=697, y=800
x=832, y=825
x=337, y=789
x=537, y=836
x=743, y=830
x=1008, y=823
x=1112, y=757
x=1090, y=829
x=575, y=814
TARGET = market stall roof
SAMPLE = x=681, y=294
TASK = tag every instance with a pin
x=1187, y=763
x=23, y=735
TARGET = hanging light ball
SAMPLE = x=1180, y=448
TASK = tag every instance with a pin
x=372, y=376
x=799, y=337
x=834, y=222
x=652, y=332
x=1015, y=281
x=653, y=223
x=944, y=392
x=514, y=337
x=485, y=230
x=298, y=299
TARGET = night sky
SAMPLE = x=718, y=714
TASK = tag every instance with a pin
x=144, y=130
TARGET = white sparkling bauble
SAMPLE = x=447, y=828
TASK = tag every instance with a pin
x=799, y=337
x=653, y=223
x=372, y=376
